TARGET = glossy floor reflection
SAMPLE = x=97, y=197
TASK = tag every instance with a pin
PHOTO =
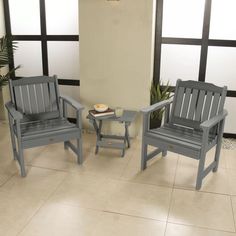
x=109, y=195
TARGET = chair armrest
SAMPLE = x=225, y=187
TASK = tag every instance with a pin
x=16, y=115
x=157, y=106
x=72, y=102
x=206, y=125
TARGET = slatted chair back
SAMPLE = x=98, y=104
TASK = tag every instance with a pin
x=195, y=102
x=36, y=97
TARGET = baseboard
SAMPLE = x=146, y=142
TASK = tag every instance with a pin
x=229, y=135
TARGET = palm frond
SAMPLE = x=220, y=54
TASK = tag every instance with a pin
x=158, y=93
x=7, y=47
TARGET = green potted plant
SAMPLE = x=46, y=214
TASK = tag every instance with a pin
x=6, y=54
x=158, y=92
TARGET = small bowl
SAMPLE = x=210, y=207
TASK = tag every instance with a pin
x=100, y=107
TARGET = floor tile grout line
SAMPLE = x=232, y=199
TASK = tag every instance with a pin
x=231, y=202
x=48, y=168
x=201, y=227
x=110, y=212
x=44, y=201
x=3, y=184
x=171, y=196
x=126, y=166
x=134, y=216
x=201, y=191
x=30, y=218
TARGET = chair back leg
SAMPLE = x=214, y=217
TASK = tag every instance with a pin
x=144, y=156
x=218, y=146
x=79, y=151
x=13, y=141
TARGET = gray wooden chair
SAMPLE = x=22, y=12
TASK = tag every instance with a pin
x=38, y=116
x=193, y=124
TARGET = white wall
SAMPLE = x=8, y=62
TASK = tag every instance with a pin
x=116, y=48
x=2, y=24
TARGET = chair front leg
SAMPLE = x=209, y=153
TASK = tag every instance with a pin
x=20, y=150
x=80, y=140
x=13, y=141
x=202, y=157
x=144, y=145
x=144, y=156
x=79, y=151
x=218, y=145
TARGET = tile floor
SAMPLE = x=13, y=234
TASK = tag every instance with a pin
x=109, y=195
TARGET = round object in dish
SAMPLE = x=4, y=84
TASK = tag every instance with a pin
x=100, y=107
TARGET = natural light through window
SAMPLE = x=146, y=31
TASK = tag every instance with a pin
x=223, y=25
x=183, y=18
x=59, y=23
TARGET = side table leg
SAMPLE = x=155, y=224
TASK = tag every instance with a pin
x=127, y=134
x=96, y=149
x=123, y=152
x=99, y=137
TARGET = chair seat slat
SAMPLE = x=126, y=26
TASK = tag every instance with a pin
x=38, y=127
x=185, y=134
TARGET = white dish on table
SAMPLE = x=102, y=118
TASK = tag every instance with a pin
x=100, y=107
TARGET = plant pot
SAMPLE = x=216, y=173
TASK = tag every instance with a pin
x=155, y=123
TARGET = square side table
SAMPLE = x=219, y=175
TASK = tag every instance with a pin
x=104, y=140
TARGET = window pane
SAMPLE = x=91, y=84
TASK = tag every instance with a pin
x=221, y=68
x=25, y=17
x=29, y=56
x=183, y=18
x=179, y=62
x=222, y=20
x=62, y=17
x=63, y=59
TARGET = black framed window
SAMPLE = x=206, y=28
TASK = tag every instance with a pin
x=196, y=40
x=47, y=33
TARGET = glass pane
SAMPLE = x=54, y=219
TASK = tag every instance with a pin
x=63, y=59
x=221, y=68
x=25, y=17
x=222, y=18
x=230, y=124
x=183, y=18
x=179, y=62
x=29, y=56
x=62, y=17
